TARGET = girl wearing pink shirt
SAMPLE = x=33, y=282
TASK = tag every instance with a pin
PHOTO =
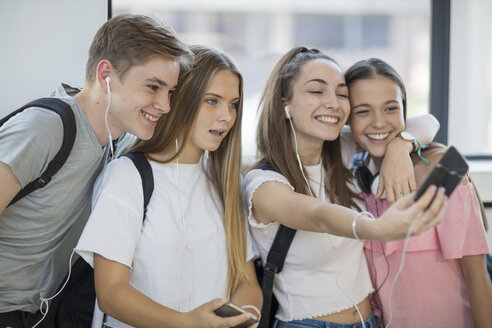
x=444, y=282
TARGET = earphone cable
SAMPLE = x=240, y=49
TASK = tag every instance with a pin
x=110, y=137
x=186, y=247
x=402, y=262
x=44, y=306
x=329, y=237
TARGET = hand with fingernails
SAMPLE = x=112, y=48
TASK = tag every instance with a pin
x=397, y=176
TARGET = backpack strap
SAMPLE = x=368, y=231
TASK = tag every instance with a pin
x=145, y=171
x=69, y=132
x=275, y=259
x=274, y=264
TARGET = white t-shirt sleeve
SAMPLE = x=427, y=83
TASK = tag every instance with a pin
x=252, y=181
x=114, y=227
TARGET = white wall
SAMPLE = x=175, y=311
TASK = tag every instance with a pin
x=43, y=43
x=470, y=87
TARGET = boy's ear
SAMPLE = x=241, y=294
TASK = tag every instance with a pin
x=103, y=70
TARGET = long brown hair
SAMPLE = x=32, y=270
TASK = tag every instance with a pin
x=372, y=67
x=223, y=166
x=274, y=136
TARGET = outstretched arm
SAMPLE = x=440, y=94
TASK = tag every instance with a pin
x=10, y=186
x=276, y=202
x=397, y=174
x=117, y=298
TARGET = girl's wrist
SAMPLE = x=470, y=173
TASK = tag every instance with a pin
x=364, y=226
x=398, y=142
x=252, y=309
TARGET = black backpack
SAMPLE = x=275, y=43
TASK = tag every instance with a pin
x=274, y=264
x=74, y=306
x=69, y=132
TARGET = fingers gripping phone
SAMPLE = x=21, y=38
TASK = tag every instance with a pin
x=230, y=310
x=447, y=173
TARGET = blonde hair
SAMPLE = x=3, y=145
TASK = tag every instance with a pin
x=224, y=163
x=127, y=40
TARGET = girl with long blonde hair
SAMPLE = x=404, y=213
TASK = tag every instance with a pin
x=192, y=251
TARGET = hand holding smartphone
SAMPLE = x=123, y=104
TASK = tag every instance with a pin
x=447, y=173
x=229, y=310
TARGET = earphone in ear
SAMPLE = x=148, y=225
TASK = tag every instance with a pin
x=286, y=109
x=107, y=78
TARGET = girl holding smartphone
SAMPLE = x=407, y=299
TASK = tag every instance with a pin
x=325, y=279
x=192, y=252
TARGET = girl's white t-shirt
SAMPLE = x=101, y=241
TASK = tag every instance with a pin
x=178, y=255
x=323, y=274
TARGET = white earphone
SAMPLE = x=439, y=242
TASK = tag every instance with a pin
x=107, y=78
x=286, y=109
x=110, y=138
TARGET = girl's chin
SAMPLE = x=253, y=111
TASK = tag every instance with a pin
x=376, y=152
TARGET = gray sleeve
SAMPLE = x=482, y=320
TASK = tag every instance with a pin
x=29, y=141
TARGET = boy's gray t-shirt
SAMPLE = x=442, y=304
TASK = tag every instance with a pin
x=32, y=229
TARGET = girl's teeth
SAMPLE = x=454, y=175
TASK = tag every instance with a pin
x=378, y=136
x=326, y=119
x=151, y=118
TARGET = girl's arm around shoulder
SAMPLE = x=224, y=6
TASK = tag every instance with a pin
x=479, y=289
x=276, y=202
x=424, y=127
x=120, y=300
x=397, y=174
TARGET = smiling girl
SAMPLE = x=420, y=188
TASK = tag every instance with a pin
x=444, y=282
x=191, y=252
x=325, y=280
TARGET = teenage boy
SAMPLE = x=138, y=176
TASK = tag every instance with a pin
x=132, y=70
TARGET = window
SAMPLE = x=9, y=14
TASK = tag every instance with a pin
x=256, y=33
x=470, y=84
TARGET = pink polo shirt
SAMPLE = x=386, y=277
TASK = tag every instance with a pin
x=430, y=291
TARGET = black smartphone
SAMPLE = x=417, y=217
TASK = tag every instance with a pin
x=447, y=173
x=230, y=310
